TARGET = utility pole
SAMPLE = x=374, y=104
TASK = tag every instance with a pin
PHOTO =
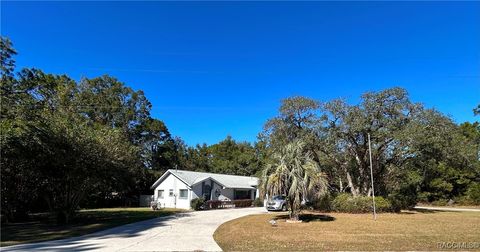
x=371, y=176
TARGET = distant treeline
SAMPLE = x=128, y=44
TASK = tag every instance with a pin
x=92, y=143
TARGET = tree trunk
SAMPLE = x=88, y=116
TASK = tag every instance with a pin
x=293, y=212
x=353, y=188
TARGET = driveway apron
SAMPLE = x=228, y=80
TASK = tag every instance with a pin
x=182, y=232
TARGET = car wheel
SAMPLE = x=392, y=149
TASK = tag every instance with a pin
x=284, y=207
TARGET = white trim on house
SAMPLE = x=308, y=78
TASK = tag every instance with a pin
x=207, y=178
x=164, y=176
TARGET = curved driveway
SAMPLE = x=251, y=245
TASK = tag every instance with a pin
x=182, y=232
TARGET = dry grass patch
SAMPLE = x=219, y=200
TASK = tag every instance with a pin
x=338, y=231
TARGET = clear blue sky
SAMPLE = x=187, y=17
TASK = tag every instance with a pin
x=218, y=68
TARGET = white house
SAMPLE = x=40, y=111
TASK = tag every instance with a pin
x=176, y=188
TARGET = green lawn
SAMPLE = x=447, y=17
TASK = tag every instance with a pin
x=412, y=230
x=41, y=228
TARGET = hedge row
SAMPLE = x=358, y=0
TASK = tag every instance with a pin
x=348, y=204
x=200, y=203
x=360, y=204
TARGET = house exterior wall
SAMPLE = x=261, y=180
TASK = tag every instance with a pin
x=197, y=191
x=173, y=183
x=225, y=194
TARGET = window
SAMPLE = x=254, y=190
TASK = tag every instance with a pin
x=170, y=193
x=160, y=194
x=183, y=194
x=207, y=190
x=242, y=194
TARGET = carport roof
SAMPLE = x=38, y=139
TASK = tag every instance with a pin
x=228, y=181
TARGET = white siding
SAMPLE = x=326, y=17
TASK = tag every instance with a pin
x=173, y=183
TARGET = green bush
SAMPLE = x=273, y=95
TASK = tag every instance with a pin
x=382, y=204
x=347, y=203
x=360, y=204
x=406, y=198
x=440, y=202
x=473, y=193
x=323, y=203
x=423, y=197
x=258, y=202
x=197, y=203
x=463, y=200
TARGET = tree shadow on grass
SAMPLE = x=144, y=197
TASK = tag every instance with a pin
x=423, y=211
x=308, y=217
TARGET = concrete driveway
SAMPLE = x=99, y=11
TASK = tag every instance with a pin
x=448, y=209
x=182, y=232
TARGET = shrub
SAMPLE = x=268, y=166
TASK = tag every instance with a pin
x=423, y=197
x=360, y=204
x=197, y=203
x=473, y=193
x=323, y=203
x=406, y=198
x=382, y=204
x=347, y=203
x=440, y=202
x=258, y=202
x=463, y=200
x=243, y=203
x=214, y=204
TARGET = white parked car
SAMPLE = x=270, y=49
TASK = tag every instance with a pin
x=277, y=203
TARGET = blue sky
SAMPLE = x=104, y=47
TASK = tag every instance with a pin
x=216, y=68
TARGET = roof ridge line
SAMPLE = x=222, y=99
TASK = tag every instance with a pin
x=214, y=173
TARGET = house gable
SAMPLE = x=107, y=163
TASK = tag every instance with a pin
x=172, y=192
x=165, y=175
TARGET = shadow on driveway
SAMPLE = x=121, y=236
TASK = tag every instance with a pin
x=93, y=241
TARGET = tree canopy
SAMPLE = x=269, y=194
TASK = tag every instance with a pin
x=417, y=153
x=64, y=141
x=67, y=144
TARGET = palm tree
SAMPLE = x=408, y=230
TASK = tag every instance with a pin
x=295, y=174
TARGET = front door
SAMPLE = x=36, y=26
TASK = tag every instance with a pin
x=207, y=191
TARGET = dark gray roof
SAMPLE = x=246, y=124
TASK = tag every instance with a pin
x=229, y=181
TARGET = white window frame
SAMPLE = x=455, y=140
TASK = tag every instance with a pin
x=180, y=194
x=170, y=193
x=160, y=193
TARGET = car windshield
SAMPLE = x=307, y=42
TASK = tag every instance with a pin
x=278, y=198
